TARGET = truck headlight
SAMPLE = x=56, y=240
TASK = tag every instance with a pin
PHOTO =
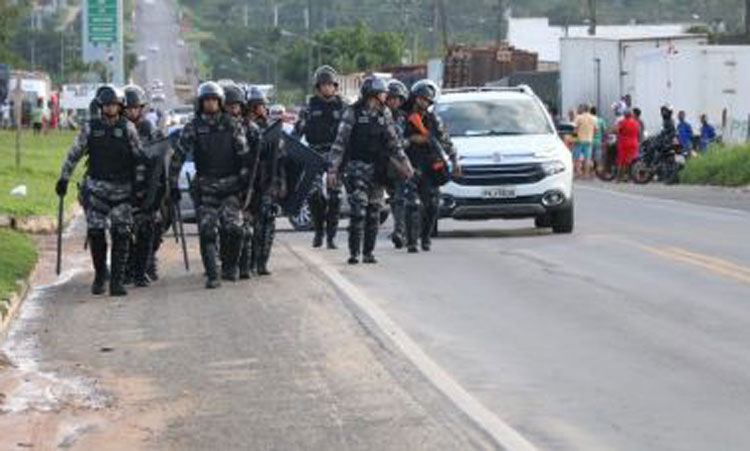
x=553, y=167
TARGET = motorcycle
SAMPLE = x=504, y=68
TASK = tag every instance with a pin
x=658, y=159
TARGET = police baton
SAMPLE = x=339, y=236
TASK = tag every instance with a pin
x=179, y=230
x=60, y=218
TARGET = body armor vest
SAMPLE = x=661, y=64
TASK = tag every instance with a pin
x=368, y=136
x=323, y=121
x=110, y=154
x=214, y=151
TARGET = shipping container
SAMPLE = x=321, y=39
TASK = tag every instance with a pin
x=600, y=70
x=712, y=80
x=476, y=66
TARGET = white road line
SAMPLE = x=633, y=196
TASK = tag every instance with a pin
x=670, y=202
x=507, y=437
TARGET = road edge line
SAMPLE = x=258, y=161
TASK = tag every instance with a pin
x=501, y=432
x=674, y=202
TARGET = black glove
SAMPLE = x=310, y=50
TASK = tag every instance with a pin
x=62, y=187
x=175, y=194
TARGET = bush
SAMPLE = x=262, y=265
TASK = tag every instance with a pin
x=723, y=166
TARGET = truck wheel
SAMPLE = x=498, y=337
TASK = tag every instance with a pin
x=543, y=221
x=563, y=220
x=302, y=222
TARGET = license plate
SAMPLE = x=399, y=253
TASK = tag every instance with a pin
x=499, y=193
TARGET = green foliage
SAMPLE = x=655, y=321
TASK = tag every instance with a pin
x=348, y=49
x=725, y=166
x=41, y=160
x=18, y=256
x=11, y=15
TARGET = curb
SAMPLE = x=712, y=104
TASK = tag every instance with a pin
x=9, y=307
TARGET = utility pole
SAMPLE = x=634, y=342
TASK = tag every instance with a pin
x=443, y=23
x=592, y=17
x=747, y=19
x=502, y=24
x=308, y=25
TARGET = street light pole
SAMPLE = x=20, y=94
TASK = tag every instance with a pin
x=308, y=19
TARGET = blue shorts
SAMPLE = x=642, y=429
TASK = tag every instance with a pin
x=583, y=151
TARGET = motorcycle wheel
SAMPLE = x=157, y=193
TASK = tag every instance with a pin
x=606, y=173
x=640, y=173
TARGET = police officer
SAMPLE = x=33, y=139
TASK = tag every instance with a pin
x=422, y=124
x=397, y=95
x=319, y=123
x=143, y=215
x=217, y=142
x=113, y=149
x=270, y=188
x=255, y=120
x=367, y=139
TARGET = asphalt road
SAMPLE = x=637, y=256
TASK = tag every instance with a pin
x=156, y=25
x=630, y=334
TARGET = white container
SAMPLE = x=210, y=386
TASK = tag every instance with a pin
x=600, y=70
x=712, y=80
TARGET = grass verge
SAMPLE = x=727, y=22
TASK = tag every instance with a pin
x=41, y=159
x=722, y=166
x=18, y=256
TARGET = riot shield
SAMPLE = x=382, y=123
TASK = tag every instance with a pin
x=302, y=165
x=155, y=154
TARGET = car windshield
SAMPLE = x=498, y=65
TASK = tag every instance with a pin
x=497, y=117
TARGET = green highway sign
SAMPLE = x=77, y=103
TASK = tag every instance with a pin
x=102, y=21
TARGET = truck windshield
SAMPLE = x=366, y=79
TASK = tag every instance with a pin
x=497, y=117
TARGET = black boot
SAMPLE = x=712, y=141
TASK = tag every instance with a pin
x=120, y=245
x=318, y=212
x=208, y=255
x=413, y=221
x=332, y=218
x=318, y=239
x=355, y=244
x=142, y=253
x=98, y=247
x=153, y=268
x=245, y=255
x=231, y=243
x=371, y=236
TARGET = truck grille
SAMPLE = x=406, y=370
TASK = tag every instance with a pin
x=501, y=174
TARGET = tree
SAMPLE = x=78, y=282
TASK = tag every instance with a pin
x=10, y=18
x=348, y=49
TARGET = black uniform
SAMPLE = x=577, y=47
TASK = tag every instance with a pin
x=319, y=123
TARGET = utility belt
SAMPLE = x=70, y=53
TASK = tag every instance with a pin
x=217, y=186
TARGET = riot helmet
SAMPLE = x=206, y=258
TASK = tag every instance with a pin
x=134, y=96
x=326, y=74
x=255, y=96
x=107, y=95
x=233, y=94
x=427, y=89
x=397, y=89
x=372, y=86
x=210, y=90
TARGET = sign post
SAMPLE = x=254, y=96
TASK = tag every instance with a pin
x=103, y=35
